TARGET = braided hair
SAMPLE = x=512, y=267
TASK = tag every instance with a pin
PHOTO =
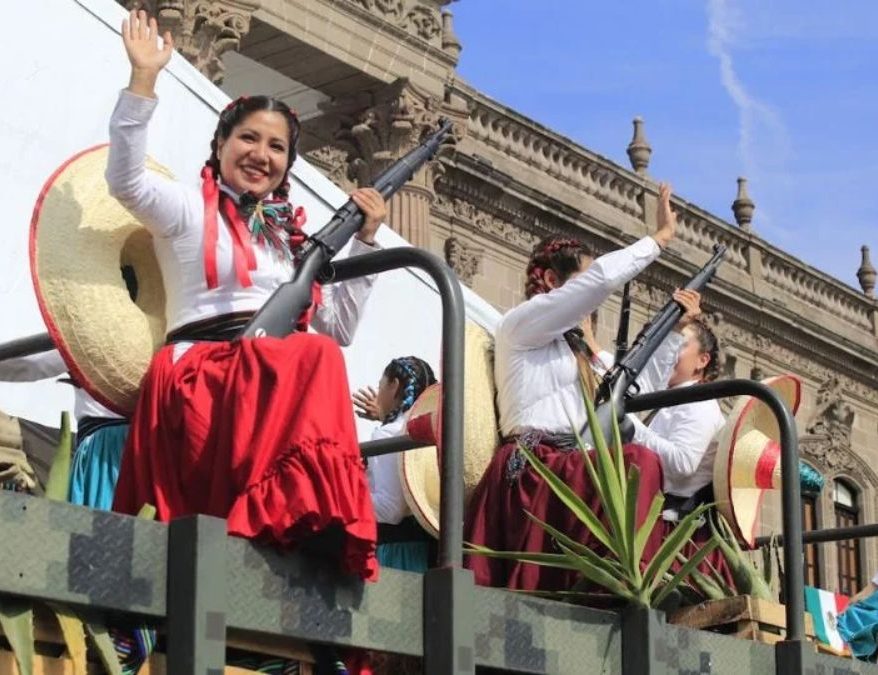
x=561, y=255
x=414, y=375
x=233, y=115
x=707, y=344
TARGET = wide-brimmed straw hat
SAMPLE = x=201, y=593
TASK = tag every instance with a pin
x=81, y=238
x=419, y=469
x=748, y=457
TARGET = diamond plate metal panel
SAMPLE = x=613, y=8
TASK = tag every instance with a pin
x=824, y=664
x=70, y=554
x=297, y=596
x=685, y=651
x=524, y=634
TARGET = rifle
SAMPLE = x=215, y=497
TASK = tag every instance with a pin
x=278, y=315
x=624, y=320
x=614, y=387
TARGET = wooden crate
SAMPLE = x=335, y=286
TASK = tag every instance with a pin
x=50, y=656
x=742, y=616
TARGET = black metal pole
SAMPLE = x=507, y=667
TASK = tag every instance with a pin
x=451, y=513
x=448, y=608
x=794, y=580
x=829, y=534
x=32, y=344
x=387, y=446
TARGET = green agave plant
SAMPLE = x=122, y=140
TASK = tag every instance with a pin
x=622, y=571
x=17, y=617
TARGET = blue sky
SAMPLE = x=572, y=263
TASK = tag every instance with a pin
x=783, y=92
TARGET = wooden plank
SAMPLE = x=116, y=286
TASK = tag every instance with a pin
x=156, y=665
x=715, y=613
x=43, y=665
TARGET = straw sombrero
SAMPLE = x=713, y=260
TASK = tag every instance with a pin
x=419, y=469
x=81, y=239
x=748, y=457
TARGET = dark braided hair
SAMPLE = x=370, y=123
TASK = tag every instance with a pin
x=235, y=113
x=414, y=375
x=707, y=344
x=561, y=255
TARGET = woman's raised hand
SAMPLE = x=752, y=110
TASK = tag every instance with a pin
x=665, y=217
x=140, y=36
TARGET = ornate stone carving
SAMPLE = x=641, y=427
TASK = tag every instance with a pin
x=332, y=161
x=832, y=416
x=203, y=30
x=375, y=129
x=424, y=22
x=463, y=212
x=464, y=259
x=420, y=19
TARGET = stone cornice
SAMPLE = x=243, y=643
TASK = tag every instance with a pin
x=751, y=324
x=774, y=276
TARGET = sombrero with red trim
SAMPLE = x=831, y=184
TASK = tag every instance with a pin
x=419, y=469
x=80, y=240
x=748, y=457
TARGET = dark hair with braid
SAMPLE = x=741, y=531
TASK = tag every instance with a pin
x=414, y=375
x=707, y=344
x=239, y=110
x=561, y=255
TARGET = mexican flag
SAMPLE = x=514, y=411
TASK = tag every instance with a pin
x=825, y=608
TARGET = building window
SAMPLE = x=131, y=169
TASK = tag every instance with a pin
x=809, y=522
x=847, y=515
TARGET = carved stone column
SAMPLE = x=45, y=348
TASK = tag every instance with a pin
x=203, y=30
x=376, y=132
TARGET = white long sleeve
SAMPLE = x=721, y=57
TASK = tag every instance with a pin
x=174, y=215
x=384, y=481
x=682, y=436
x=547, y=316
x=536, y=373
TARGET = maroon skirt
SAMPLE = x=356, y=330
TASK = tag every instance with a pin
x=259, y=432
x=496, y=515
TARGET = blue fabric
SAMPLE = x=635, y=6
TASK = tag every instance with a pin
x=95, y=469
x=411, y=556
x=858, y=626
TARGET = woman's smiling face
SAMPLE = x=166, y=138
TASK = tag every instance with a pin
x=254, y=157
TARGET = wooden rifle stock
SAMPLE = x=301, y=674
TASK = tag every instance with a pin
x=279, y=314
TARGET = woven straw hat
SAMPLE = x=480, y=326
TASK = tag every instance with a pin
x=748, y=457
x=419, y=469
x=80, y=239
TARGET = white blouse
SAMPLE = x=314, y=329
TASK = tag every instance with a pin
x=536, y=372
x=385, y=483
x=50, y=364
x=174, y=215
x=682, y=436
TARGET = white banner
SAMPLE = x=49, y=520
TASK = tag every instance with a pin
x=61, y=76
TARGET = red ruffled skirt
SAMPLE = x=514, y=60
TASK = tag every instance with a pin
x=259, y=432
x=496, y=515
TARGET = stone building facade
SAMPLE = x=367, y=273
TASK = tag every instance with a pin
x=370, y=76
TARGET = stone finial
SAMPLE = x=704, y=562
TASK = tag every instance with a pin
x=743, y=206
x=866, y=274
x=450, y=42
x=639, y=149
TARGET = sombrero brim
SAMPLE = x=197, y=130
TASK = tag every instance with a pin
x=419, y=469
x=741, y=506
x=80, y=239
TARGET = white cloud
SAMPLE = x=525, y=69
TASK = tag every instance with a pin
x=763, y=141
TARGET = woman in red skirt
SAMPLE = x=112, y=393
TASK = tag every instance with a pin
x=257, y=431
x=540, y=361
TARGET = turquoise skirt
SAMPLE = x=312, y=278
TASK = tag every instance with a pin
x=95, y=469
x=858, y=626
